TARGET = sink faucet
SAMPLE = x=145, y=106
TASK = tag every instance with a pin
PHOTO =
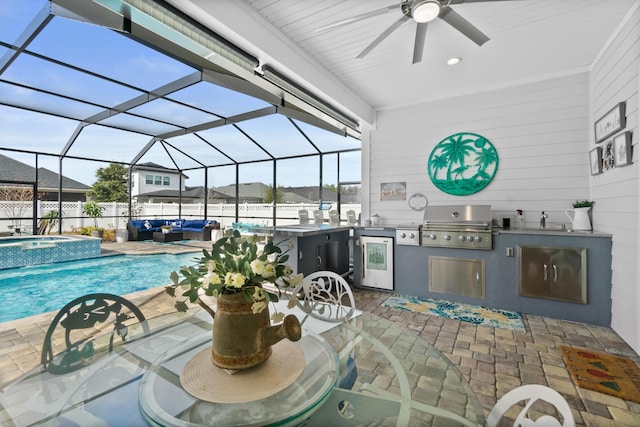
x=543, y=220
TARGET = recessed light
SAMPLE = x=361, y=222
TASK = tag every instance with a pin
x=454, y=61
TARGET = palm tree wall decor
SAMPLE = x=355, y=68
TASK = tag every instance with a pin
x=462, y=164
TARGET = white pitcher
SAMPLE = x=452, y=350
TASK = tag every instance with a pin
x=580, y=219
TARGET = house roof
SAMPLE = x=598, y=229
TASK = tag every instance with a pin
x=13, y=170
x=154, y=167
x=188, y=192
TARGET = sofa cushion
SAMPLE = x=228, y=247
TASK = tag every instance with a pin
x=195, y=223
x=139, y=223
x=175, y=223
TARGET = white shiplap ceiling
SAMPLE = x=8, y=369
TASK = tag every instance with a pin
x=529, y=40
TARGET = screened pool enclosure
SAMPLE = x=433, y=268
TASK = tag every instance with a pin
x=86, y=83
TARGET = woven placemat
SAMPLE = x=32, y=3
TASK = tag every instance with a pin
x=205, y=381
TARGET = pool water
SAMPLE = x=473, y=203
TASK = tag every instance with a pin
x=30, y=240
x=27, y=291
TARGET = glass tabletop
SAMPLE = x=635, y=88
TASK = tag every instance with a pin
x=366, y=370
x=163, y=401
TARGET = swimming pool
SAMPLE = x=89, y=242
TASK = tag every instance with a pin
x=27, y=291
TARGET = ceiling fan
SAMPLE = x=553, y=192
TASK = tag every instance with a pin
x=422, y=12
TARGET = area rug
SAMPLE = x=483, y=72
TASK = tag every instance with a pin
x=464, y=312
x=602, y=372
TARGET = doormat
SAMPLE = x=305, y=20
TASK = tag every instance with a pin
x=602, y=372
x=464, y=312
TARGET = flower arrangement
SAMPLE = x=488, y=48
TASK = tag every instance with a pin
x=583, y=203
x=235, y=265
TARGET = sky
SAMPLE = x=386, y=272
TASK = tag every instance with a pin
x=123, y=70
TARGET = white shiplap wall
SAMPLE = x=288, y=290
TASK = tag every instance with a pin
x=615, y=78
x=540, y=131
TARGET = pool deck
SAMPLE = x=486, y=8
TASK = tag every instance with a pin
x=493, y=360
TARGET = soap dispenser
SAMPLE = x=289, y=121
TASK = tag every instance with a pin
x=519, y=219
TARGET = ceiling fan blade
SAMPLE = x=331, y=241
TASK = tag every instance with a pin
x=452, y=18
x=418, y=46
x=393, y=7
x=472, y=1
x=382, y=36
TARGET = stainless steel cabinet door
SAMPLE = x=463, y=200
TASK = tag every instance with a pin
x=553, y=273
x=457, y=276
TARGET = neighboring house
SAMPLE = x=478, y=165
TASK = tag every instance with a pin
x=255, y=192
x=48, y=181
x=311, y=194
x=151, y=182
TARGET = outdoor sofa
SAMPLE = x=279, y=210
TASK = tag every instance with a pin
x=192, y=229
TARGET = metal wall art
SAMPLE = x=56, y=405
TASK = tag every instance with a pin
x=610, y=123
x=608, y=158
x=463, y=164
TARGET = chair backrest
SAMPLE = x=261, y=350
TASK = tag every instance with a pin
x=303, y=216
x=323, y=295
x=334, y=217
x=79, y=319
x=532, y=393
x=351, y=217
x=318, y=216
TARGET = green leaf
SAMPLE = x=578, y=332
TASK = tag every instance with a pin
x=174, y=277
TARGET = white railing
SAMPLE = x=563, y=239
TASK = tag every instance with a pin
x=114, y=216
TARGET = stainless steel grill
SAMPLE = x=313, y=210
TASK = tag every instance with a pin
x=457, y=226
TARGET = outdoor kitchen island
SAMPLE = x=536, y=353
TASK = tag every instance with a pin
x=495, y=274
x=313, y=247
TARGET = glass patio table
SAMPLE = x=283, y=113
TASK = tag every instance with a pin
x=398, y=379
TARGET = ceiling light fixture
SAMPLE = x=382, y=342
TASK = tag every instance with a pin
x=454, y=61
x=425, y=10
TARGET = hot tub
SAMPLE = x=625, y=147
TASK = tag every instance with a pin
x=33, y=250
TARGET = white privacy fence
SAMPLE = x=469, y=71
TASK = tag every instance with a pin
x=114, y=214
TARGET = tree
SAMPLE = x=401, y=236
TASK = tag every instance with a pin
x=20, y=201
x=111, y=185
x=268, y=195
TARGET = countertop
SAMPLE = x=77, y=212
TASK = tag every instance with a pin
x=554, y=232
x=302, y=230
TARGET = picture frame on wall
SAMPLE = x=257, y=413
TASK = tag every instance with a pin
x=608, y=155
x=393, y=191
x=613, y=121
x=622, y=149
x=595, y=160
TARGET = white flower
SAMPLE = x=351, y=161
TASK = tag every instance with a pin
x=269, y=271
x=257, y=267
x=235, y=280
x=209, y=278
x=258, y=306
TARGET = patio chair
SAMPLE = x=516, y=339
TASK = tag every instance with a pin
x=78, y=318
x=318, y=217
x=303, y=216
x=532, y=393
x=351, y=217
x=334, y=217
x=322, y=295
